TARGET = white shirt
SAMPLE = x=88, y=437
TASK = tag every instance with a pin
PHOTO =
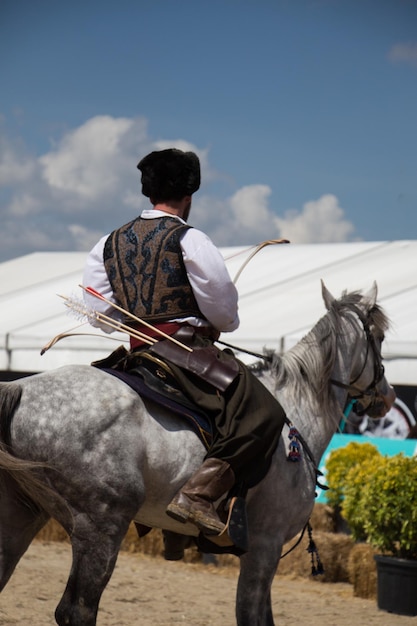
x=214, y=291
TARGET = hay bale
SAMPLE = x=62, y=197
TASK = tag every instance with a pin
x=333, y=551
x=323, y=518
x=362, y=571
x=52, y=531
x=153, y=545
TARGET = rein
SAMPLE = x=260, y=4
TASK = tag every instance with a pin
x=264, y=357
x=306, y=448
x=316, y=564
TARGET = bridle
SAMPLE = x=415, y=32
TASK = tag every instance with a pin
x=370, y=392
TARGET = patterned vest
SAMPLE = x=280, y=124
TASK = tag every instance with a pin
x=144, y=264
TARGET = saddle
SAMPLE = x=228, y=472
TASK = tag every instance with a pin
x=154, y=380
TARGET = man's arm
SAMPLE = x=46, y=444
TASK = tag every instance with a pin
x=95, y=276
x=213, y=288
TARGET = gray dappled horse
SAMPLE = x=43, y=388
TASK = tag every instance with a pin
x=107, y=459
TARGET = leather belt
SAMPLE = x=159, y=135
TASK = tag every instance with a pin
x=169, y=328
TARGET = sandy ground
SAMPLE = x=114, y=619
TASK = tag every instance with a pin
x=149, y=591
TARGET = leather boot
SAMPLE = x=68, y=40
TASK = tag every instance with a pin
x=195, y=501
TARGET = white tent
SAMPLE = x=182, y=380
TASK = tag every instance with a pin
x=280, y=300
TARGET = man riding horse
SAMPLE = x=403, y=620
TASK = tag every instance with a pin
x=171, y=275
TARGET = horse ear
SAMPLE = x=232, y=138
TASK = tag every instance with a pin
x=369, y=298
x=327, y=296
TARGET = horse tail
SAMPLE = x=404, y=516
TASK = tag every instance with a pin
x=24, y=473
x=10, y=395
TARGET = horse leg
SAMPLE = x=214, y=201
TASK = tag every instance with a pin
x=20, y=521
x=257, y=571
x=174, y=543
x=94, y=554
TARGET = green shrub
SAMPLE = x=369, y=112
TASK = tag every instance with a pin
x=338, y=465
x=380, y=504
x=356, y=483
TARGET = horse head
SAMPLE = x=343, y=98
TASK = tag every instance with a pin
x=368, y=389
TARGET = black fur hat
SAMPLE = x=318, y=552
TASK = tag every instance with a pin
x=169, y=174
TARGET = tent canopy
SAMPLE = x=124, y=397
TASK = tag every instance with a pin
x=280, y=301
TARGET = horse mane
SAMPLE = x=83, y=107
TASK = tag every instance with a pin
x=306, y=368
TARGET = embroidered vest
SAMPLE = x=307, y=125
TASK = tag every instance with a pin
x=144, y=264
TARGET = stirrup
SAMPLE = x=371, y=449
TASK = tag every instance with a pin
x=235, y=532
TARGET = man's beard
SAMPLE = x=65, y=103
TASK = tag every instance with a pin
x=186, y=212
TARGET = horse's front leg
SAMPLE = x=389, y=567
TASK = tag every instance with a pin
x=257, y=571
x=94, y=554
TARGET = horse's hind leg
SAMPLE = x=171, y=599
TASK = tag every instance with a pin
x=94, y=555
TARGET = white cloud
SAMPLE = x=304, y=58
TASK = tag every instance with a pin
x=320, y=221
x=404, y=53
x=24, y=204
x=250, y=206
x=20, y=237
x=246, y=219
x=90, y=160
x=89, y=172
x=15, y=165
x=83, y=238
x=88, y=184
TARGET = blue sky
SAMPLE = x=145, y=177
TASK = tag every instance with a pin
x=303, y=113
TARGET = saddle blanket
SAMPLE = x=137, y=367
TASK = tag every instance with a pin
x=197, y=420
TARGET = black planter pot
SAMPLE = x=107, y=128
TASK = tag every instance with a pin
x=397, y=585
